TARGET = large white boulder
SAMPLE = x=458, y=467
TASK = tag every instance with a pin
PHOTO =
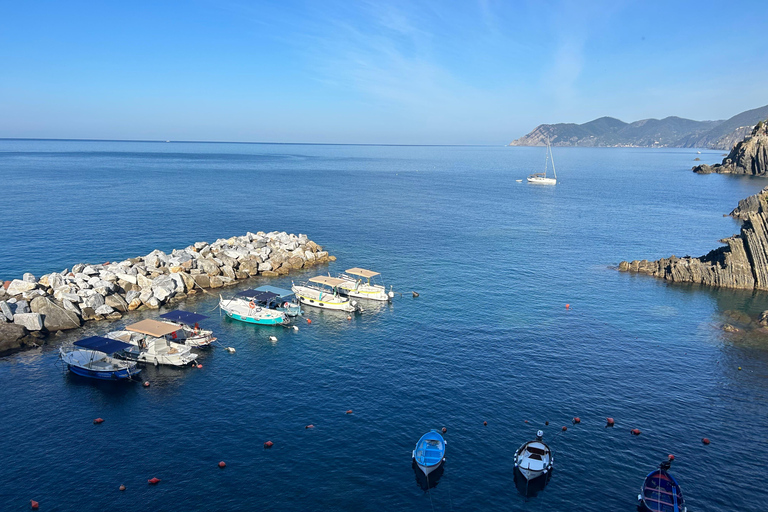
x=17, y=287
x=32, y=321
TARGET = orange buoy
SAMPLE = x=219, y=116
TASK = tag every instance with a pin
x=635, y=431
x=268, y=444
x=485, y=423
x=35, y=505
x=309, y=320
x=671, y=457
x=199, y=367
x=98, y=421
x=122, y=487
x=705, y=440
x=349, y=318
x=146, y=383
x=445, y=430
x=153, y=481
x=349, y=411
x=567, y=306
x=565, y=428
x=222, y=464
x=609, y=422
x=576, y=420
x=310, y=426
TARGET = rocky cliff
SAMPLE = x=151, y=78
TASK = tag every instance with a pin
x=743, y=261
x=750, y=156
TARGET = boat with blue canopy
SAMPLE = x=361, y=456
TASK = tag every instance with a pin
x=430, y=451
x=284, y=300
x=244, y=308
x=190, y=333
x=661, y=492
x=92, y=357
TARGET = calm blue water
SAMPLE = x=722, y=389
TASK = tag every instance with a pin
x=489, y=339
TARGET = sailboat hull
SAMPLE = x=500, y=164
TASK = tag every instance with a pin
x=542, y=181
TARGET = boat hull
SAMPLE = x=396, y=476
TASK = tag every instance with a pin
x=661, y=493
x=242, y=311
x=542, y=181
x=254, y=320
x=97, y=365
x=533, y=460
x=124, y=374
x=429, y=453
x=318, y=299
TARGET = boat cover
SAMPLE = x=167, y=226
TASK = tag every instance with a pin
x=153, y=328
x=184, y=317
x=357, y=271
x=280, y=292
x=258, y=296
x=100, y=344
x=330, y=281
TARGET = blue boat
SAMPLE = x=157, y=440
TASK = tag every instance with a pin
x=430, y=451
x=661, y=492
x=91, y=357
x=282, y=300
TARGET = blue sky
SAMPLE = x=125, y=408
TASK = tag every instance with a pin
x=413, y=72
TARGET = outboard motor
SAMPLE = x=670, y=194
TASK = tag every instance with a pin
x=539, y=435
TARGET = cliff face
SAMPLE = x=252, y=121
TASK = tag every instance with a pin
x=743, y=261
x=750, y=156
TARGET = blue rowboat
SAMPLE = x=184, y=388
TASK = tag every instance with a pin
x=661, y=492
x=430, y=451
x=91, y=357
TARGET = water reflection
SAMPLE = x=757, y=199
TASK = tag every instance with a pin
x=530, y=488
x=427, y=482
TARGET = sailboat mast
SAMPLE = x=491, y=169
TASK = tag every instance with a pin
x=553, y=159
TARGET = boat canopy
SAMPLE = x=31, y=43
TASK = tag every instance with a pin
x=99, y=344
x=153, y=328
x=258, y=296
x=280, y=292
x=330, y=281
x=362, y=272
x=184, y=317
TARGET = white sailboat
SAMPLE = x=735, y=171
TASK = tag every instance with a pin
x=540, y=178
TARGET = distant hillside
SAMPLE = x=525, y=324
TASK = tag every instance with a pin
x=667, y=132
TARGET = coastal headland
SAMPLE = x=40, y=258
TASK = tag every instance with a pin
x=32, y=309
x=743, y=261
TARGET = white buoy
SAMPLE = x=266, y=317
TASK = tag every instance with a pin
x=295, y=327
x=231, y=350
x=273, y=338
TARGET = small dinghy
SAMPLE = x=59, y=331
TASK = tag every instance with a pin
x=534, y=458
x=90, y=357
x=430, y=451
x=661, y=492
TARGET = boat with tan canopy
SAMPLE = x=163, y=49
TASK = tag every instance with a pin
x=323, y=292
x=357, y=283
x=153, y=342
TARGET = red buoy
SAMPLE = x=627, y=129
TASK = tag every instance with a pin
x=526, y=421
x=349, y=411
x=35, y=505
x=567, y=306
x=268, y=444
x=445, y=430
x=222, y=464
x=153, y=481
x=705, y=440
x=98, y=421
x=122, y=487
x=576, y=420
x=485, y=423
x=309, y=320
x=609, y=422
x=635, y=431
x=146, y=383
x=565, y=428
x=199, y=367
x=310, y=426
x=671, y=457
x=349, y=318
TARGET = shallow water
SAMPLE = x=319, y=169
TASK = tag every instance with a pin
x=489, y=338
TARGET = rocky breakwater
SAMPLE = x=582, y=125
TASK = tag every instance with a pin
x=32, y=308
x=743, y=261
x=750, y=156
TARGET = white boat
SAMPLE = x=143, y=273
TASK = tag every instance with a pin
x=357, y=283
x=534, y=458
x=322, y=292
x=540, y=178
x=249, y=311
x=189, y=331
x=149, y=340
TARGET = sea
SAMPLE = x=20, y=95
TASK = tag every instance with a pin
x=522, y=323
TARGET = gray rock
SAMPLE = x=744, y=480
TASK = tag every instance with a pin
x=181, y=287
x=71, y=306
x=6, y=311
x=266, y=266
x=90, y=314
x=116, y=302
x=91, y=271
x=17, y=287
x=93, y=301
x=153, y=303
x=55, y=281
x=208, y=266
x=20, y=307
x=133, y=294
x=145, y=295
x=144, y=282
x=11, y=337
x=29, y=278
x=156, y=259
x=31, y=321
x=76, y=269
x=55, y=317
x=750, y=156
x=104, y=310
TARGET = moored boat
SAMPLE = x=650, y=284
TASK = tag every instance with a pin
x=245, y=309
x=540, y=178
x=357, y=283
x=149, y=343
x=534, y=458
x=429, y=453
x=279, y=299
x=322, y=292
x=661, y=492
x=92, y=357
x=189, y=332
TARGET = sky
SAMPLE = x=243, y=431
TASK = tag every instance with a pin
x=389, y=72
